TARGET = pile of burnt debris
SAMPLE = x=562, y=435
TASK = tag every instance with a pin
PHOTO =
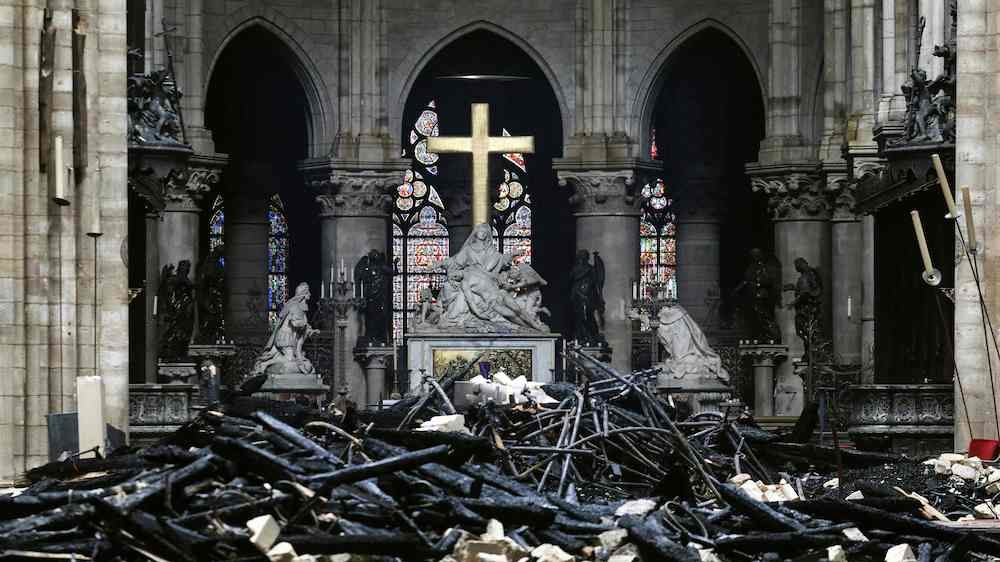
x=599, y=471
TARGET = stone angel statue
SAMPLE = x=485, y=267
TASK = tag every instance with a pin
x=283, y=352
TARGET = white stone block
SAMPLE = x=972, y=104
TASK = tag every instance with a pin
x=551, y=553
x=635, y=507
x=92, y=429
x=265, y=530
x=450, y=423
x=740, y=478
x=494, y=531
x=753, y=490
x=964, y=472
x=282, y=552
x=985, y=511
x=855, y=495
x=854, y=534
x=831, y=484
x=836, y=554
x=951, y=457
x=900, y=553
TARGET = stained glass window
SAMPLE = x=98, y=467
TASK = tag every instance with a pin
x=216, y=226
x=419, y=229
x=657, y=243
x=277, y=257
x=512, y=219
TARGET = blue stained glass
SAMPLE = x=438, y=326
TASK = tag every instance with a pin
x=277, y=254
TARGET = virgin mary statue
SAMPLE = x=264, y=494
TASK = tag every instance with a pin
x=689, y=351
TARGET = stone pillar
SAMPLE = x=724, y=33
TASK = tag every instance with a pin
x=354, y=212
x=800, y=209
x=607, y=221
x=178, y=232
x=868, y=299
x=845, y=274
x=376, y=362
x=764, y=359
x=698, y=244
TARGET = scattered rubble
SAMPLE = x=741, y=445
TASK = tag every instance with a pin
x=602, y=474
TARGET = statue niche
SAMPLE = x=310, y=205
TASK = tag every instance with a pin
x=484, y=292
x=373, y=275
x=175, y=311
x=586, y=298
x=283, y=353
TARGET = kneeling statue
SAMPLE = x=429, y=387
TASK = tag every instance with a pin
x=283, y=353
x=693, y=367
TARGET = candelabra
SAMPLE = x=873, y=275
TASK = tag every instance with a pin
x=336, y=305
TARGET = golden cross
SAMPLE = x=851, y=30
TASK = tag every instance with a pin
x=480, y=145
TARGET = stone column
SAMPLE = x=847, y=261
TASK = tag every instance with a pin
x=607, y=221
x=376, y=362
x=764, y=359
x=845, y=274
x=800, y=209
x=698, y=244
x=179, y=230
x=354, y=213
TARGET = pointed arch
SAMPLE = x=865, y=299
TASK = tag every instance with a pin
x=651, y=85
x=417, y=67
x=256, y=14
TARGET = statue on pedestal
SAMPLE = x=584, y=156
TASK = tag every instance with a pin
x=373, y=276
x=283, y=351
x=808, y=298
x=586, y=298
x=683, y=340
x=175, y=311
x=761, y=282
x=484, y=292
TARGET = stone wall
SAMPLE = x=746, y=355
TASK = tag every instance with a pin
x=47, y=265
x=978, y=166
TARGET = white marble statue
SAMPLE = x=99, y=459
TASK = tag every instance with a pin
x=283, y=352
x=689, y=351
x=484, y=292
x=693, y=369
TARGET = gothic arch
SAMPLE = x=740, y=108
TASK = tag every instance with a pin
x=652, y=82
x=256, y=13
x=417, y=67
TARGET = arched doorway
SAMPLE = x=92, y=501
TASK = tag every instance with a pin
x=482, y=66
x=706, y=124
x=258, y=111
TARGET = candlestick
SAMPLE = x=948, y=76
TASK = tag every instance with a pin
x=333, y=277
x=342, y=268
x=156, y=303
x=970, y=226
x=945, y=188
x=635, y=291
x=322, y=289
x=931, y=276
x=848, y=307
x=59, y=191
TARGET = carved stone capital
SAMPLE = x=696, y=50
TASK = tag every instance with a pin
x=366, y=193
x=794, y=194
x=598, y=192
x=842, y=197
x=184, y=190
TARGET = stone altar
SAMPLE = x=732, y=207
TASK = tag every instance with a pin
x=486, y=303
